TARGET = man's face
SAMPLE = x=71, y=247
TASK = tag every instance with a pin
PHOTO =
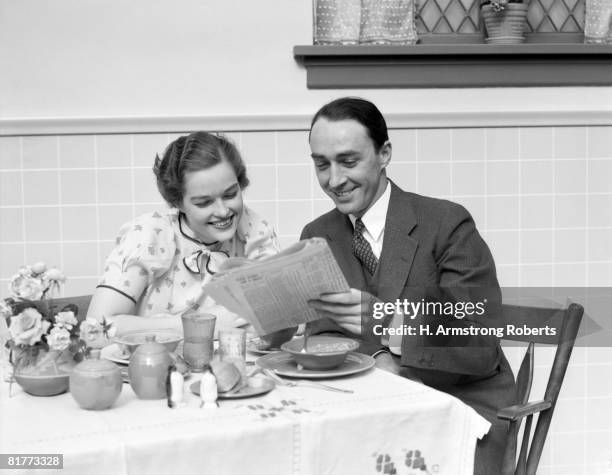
x=347, y=165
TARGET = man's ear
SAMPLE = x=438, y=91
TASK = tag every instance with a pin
x=384, y=154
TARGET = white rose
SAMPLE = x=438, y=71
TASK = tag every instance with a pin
x=39, y=267
x=54, y=275
x=90, y=329
x=27, y=327
x=5, y=309
x=26, y=271
x=58, y=338
x=66, y=320
x=28, y=288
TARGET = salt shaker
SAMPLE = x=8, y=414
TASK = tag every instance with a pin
x=174, y=387
x=208, y=390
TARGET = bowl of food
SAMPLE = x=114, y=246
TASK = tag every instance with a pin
x=131, y=340
x=322, y=351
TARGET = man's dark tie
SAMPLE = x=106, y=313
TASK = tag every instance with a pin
x=362, y=249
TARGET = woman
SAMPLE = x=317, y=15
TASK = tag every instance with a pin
x=162, y=260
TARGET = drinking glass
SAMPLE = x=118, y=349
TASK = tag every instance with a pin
x=198, y=329
x=232, y=348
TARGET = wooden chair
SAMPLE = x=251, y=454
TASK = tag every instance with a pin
x=81, y=301
x=532, y=444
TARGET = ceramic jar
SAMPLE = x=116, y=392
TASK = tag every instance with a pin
x=95, y=384
x=148, y=369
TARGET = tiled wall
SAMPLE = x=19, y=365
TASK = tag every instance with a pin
x=541, y=196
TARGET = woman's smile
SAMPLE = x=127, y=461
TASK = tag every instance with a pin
x=222, y=224
x=212, y=202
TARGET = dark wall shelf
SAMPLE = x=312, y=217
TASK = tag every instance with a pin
x=456, y=65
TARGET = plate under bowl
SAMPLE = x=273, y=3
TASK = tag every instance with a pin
x=132, y=340
x=283, y=365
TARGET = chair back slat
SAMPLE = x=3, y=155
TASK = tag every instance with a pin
x=524, y=378
x=532, y=317
x=567, y=338
x=81, y=301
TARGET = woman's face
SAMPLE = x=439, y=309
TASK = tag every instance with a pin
x=212, y=202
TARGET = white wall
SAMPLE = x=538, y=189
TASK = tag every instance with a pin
x=111, y=58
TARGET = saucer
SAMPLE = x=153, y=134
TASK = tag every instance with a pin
x=284, y=365
x=262, y=386
x=113, y=353
x=252, y=346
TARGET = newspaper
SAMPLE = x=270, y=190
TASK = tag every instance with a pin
x=272, y=294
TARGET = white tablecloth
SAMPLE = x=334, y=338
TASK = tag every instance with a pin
x=389, y=422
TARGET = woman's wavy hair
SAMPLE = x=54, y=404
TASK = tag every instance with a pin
x=190, y=153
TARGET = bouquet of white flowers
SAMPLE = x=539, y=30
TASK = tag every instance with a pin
x=37, y=327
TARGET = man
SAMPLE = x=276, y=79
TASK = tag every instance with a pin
x=391, y=245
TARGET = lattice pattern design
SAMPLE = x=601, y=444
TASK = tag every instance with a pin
x=556, y=16
x=447, y=16
x=462, y=16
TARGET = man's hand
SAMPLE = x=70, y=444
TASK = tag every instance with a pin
x=344, y=308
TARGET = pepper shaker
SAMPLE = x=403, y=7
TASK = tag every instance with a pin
x=174, y=388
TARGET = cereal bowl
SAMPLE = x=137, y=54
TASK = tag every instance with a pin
x=131, y=340
x=322, y=353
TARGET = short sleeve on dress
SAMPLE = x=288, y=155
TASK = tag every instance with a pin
x=258, y=235
x=144, y=251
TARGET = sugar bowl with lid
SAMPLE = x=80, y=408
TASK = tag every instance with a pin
x=95, y=384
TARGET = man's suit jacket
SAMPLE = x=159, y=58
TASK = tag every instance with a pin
x=431, y=245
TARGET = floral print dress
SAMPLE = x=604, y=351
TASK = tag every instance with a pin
x=160, y=251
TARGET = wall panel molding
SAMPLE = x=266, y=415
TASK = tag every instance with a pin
x=286, y=122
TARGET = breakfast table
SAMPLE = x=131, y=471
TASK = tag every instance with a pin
x=387, y=425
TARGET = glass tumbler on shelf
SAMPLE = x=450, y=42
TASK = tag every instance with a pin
x=597, y=21
x=336, y=22
x=386, y=22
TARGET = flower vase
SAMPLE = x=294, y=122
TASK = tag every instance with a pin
x=506, y=26
x=44, y=374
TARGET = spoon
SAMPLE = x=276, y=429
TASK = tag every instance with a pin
x=305, y=347
x=306, y=335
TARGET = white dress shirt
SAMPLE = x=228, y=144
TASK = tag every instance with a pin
x=374, y=221
x=374, y=233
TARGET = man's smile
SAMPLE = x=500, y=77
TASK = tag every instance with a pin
x=343, y=193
